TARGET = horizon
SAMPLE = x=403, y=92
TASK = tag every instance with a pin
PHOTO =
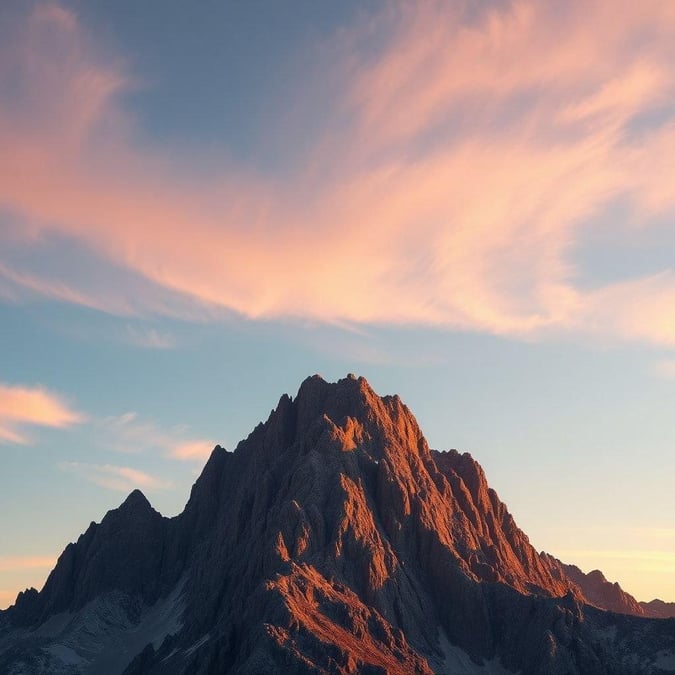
x=199, y=209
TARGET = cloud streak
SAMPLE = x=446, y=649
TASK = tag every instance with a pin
x=128, y=434
x=17, y=563
x=470, y=153
x=22, y=407
x=113, y=477
x=148, y=338
x=192, y=450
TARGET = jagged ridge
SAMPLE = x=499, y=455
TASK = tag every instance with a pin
x=334, y=540
x=596, y=590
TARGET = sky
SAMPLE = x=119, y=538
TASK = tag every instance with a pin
x=471, y=204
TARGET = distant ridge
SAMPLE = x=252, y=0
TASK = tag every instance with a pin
x=332, y=540
x=597, y=591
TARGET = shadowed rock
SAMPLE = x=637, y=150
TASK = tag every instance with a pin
x=659, y=609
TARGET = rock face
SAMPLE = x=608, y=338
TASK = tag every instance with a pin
x=332, y=540
x=124, y=553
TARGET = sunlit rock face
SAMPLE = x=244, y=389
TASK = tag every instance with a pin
x=332, y=540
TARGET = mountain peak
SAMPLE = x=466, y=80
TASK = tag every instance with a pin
x=318, y=389
x=333, y=540
x=135, y=500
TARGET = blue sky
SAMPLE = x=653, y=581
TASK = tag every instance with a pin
x=199, y=208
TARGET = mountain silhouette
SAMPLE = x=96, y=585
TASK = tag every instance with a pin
x=332, y=540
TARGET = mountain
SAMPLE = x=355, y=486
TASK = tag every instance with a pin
x=599, y=592
x=659, y=609
x=332, y=540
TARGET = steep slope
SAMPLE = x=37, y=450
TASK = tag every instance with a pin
x=597, y=591
x=502, y=552
x=332, y=540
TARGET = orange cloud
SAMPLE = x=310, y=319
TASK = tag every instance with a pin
x=467, y=158
x=23, y=406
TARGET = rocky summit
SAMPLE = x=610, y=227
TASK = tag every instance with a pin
x=332, y=540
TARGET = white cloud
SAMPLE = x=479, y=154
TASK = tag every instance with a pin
x=149, y=338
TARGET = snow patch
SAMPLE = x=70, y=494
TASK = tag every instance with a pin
x=456, y=661
x=665, y=661
x=103, y=637
x=54, y=625
x=607, y=634
x=197, y=644
x=170, y=654
x=66, y=655
x=124, y=643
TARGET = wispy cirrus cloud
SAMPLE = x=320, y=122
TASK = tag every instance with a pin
x=149, y=338
x=128, y=433
x=113, y=477
x=24, y=407
x=470, y=152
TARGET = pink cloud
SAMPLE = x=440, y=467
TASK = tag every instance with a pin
x=641, y=310
x=120, y=478
x=479, y=147
x=24, y=406
x=193, y=450
x=128, y=434
x=448, y=57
